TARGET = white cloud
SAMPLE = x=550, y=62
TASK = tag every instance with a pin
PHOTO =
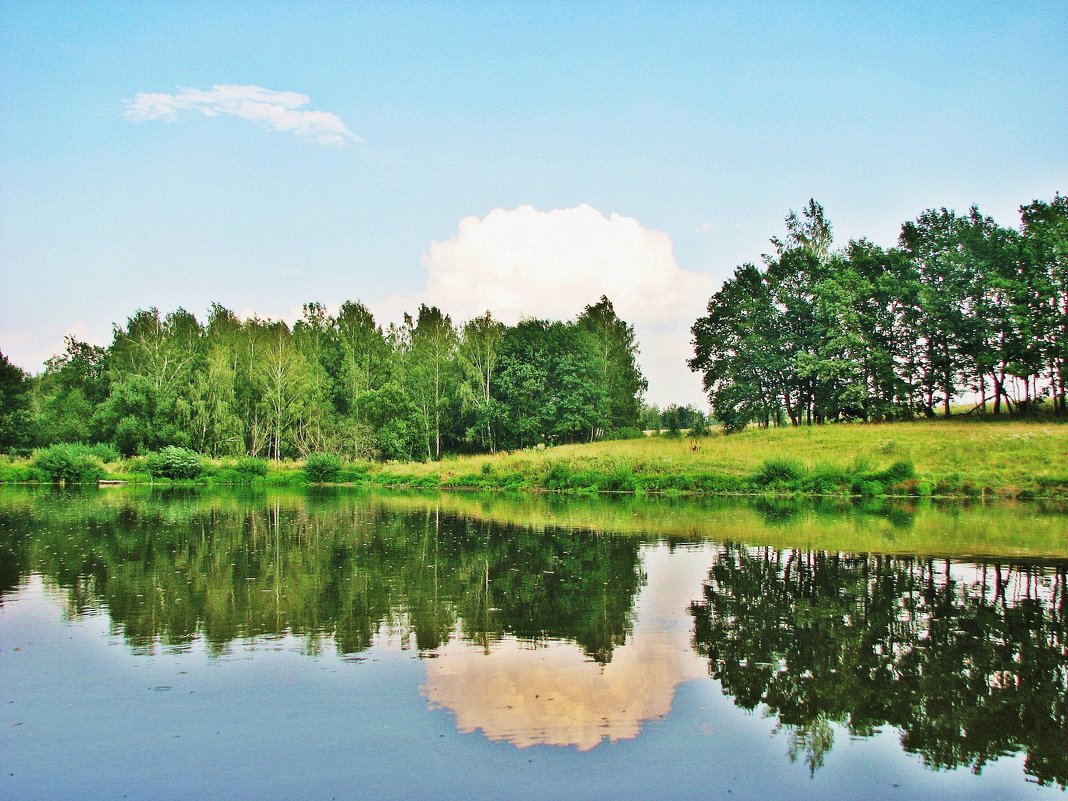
x=278, y=111
x=528, y=263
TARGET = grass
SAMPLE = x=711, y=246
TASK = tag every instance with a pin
x=936, y=458
x=950, y=458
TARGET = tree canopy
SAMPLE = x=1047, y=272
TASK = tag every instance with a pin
x=337, y=383
x=962, y=308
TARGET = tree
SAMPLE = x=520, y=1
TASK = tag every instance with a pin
x=550, y=381
x=15, y=416
x=67, y=394
x=362, y=374
x=1044, y=262
x=431, y=348
x=285, y=382
x=477, y=357
x=617, y=352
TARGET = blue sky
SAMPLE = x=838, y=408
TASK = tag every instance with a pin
x=642, y=150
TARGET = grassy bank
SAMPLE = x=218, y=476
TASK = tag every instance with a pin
x=939, y=458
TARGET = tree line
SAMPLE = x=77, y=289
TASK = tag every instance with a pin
x=332, y=383
x=962, y=310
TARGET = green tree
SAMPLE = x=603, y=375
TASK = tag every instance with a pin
x=617, y=352
x=477, y=357
x=15, y=415
x=286, y=384
x=1044, y=263
x=67, y=394
x=430, y=350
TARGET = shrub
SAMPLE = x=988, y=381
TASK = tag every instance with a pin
x=870, y=489
x=896, y=473
x=20, y=474
x=624, y=433
x=322, y=468
x=924, y=489
x=827, y=479
x=354, y=474
x=71, y=464
x=102, y=451
x=174, y=462
x=619, y=480
x=251, y=466
x=779, y=471
x=558, y=477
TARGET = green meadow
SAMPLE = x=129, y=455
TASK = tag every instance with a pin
x=959, y=458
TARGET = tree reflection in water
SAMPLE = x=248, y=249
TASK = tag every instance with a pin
x=967, y=661
x=174, y=567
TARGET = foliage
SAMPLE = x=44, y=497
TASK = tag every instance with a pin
x=251, y=466
x=779, y=471
x=330, y=383
x=322, y=468
x=71, y=464
x=962, y=308
x=15, y=416
x=174, y=463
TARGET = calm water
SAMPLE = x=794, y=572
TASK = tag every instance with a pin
x=343, y=645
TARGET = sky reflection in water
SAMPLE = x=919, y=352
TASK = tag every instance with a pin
x=258, y=647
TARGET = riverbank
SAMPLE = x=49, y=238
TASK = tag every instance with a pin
x=938, y=458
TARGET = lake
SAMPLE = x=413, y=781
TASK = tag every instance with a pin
x=333, y=644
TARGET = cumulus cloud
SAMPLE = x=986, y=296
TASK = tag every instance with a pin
x=278, y=111
x=525, y=262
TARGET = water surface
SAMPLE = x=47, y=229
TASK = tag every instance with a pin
x=189, y=644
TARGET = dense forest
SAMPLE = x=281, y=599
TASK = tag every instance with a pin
x=962, y=310
x=332, y=383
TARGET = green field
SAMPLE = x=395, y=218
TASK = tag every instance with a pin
x=938, y=458
x=954, y=457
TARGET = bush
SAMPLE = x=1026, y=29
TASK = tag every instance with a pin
x=20, y=474
x=779, y=471
x=558, y=477
x=896, y=473
x=174, y=462
x=624, y=433
x=355, y=474
x=251, y=466
x=924, y=489
x=870, y=489
x=102, y=451
x=71, y=464
x=322, y=468
x=827, y=479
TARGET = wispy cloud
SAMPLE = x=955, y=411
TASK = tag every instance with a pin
x=278, y=111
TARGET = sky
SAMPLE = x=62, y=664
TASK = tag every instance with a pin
x=520, y=158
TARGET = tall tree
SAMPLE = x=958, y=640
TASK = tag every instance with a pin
x=1044, y=263
x=477, y=356
x=15, y=415
x=617, y=351
x=431, y=348
x=286, y=383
